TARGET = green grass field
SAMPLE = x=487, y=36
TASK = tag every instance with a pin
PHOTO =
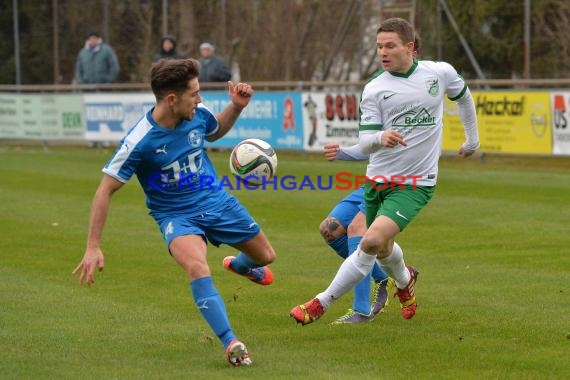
x=494, y=291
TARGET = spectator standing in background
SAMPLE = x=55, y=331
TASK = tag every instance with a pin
x=96, y=62
x=168, y=49
x=212, y=67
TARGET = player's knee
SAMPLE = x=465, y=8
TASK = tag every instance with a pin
x=356, y=228
x=331, y=229
x=267, y=257
x=368, y=245
x=372, y=245
x=384, y=251
x=271, y=256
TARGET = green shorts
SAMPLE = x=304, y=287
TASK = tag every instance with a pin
x=397, y=203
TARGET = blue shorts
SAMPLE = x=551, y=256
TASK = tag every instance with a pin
x=229, y=224
x=347, y=209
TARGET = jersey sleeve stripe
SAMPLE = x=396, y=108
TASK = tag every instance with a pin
x=461, y=93
x=214, y=131
x=202, y=106
x=110, y=174
x=113, y=167
x=370, y=127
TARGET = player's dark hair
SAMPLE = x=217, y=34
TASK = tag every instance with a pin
x=172, y=75
x=403, y=28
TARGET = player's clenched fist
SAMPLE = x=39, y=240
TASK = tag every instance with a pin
x=331, y=151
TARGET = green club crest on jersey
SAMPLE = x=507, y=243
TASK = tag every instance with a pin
x=432, y=86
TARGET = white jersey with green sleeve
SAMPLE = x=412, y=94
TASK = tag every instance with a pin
x=411, y=103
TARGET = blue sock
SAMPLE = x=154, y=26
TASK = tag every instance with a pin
x=361, y=302
x=340, y=245
x=243, y=264
x=378, y=273
x=212, y=308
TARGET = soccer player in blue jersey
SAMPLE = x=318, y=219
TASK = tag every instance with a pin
x=342, y=230
x=165, y=150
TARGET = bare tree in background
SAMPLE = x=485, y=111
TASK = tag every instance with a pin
x=551, y=45
x=282, y=40
x=135, y=43
x=185, y=32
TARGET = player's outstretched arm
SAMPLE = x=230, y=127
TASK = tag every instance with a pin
x=240, y=94
x=468, y=116
x=350, y=153
x=93, y=258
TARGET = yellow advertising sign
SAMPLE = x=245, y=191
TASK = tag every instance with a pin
x=509, y=122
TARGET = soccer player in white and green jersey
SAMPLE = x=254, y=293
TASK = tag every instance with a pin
x=401, y=128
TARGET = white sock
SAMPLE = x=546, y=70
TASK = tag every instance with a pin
x=395, y=266
x=350, y=273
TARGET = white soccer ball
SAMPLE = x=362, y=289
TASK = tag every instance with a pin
x=252, y=160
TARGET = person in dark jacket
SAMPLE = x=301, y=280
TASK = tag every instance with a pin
x=212, y=67
x=96, y=62
x=168, y=49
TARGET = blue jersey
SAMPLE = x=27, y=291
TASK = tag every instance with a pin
x=171, y=164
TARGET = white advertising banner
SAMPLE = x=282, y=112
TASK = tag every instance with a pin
x=41, y=116
x=560, y=102
x=330, y=117
x=109, y=116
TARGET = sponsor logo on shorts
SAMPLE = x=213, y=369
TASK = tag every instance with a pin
x=169, y=229
x=400, y=215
